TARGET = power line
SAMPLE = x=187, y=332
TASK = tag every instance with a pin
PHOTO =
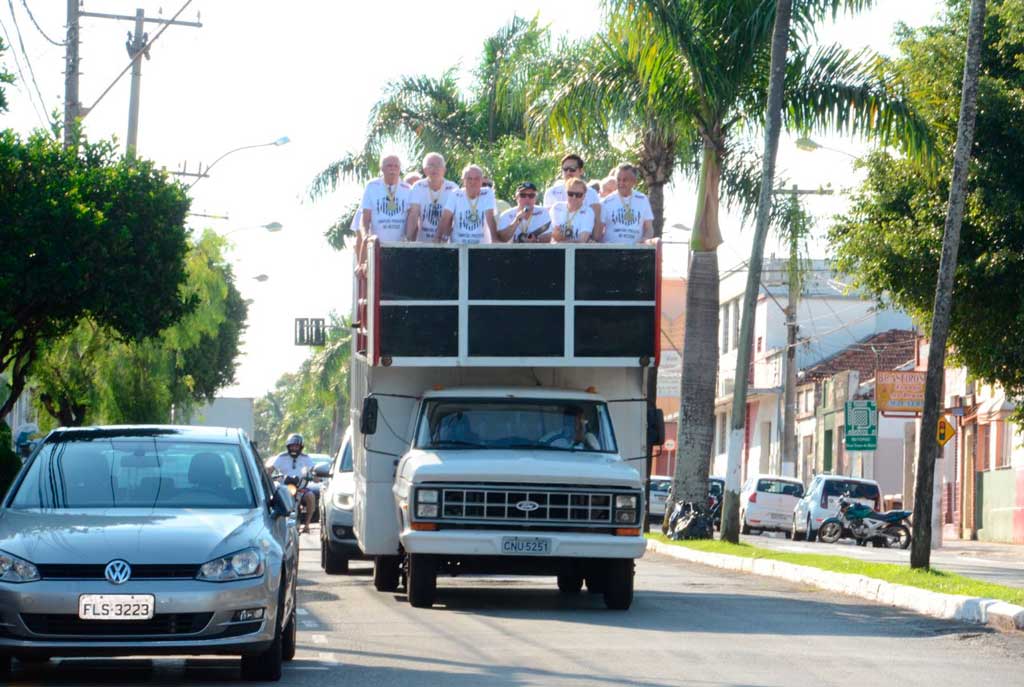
x=39, y=28
x=17, y=65
x=31, y=71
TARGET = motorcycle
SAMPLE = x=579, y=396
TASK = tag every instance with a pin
x=861, y=523
x=298, y=487
x=689, y=522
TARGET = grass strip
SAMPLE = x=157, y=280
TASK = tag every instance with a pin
x=933, y=580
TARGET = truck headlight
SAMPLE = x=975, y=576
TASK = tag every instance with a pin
x=426, y=496
x=426, y=510
x=236, y=566
x=625, y=501
x=14, y=569
x=625, y=516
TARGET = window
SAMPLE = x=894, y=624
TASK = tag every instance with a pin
x=1002, y=455
x=736, y=324
x=723, y=432
x=983, y=447
x=775, y=486
x=723, y=316
x=799, y=401
x=759, y=340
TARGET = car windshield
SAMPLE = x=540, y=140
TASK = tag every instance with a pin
x=777, y=486
x=135, y=473
x=857, y=490
x=544, y=424
x=346, y=458
x=661, y=485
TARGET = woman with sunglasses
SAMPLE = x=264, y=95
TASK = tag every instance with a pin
x=573, y=220
x=527, y=222
x=572, y=168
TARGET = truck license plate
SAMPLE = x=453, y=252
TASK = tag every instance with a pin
x=526, y=546
x=115, y=606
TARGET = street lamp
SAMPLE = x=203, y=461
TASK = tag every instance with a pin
x=271, y=228
x=808, y=145
x=204, y=173
x=261, y=278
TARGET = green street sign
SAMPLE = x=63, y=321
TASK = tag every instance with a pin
x=861, y=432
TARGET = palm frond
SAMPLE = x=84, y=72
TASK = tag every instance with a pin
x=356, y=167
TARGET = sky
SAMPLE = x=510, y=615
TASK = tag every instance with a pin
x=258, y=70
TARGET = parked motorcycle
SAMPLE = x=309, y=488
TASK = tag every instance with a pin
x=689, y=522
x=861, y=523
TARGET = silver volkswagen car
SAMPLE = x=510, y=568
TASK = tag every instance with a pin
x=148, y=540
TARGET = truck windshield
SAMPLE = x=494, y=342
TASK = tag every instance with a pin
x=541, y=424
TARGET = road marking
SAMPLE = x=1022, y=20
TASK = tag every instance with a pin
x=328, y=657
x=302, y=611
x=309, y=625
x=310, y=668
x=319, y=639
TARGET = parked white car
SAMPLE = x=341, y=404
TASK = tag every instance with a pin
x=821, y=500
x=660, y=485
x=767, y=503
x=337, y=541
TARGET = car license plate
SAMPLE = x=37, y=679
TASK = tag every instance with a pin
x=115, y=606
x=526, y=546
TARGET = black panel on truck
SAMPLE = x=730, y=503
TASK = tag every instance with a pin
x=419, y=274
x=519, y=330
x=614, y=331
x=615, y=275
x=420, y=330
x=511, y=274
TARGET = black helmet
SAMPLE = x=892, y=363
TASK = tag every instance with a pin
x=294, y=439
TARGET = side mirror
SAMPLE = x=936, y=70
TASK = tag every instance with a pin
x=281, y=503
x=368, y=419
x=655, y=427
x=322, y=470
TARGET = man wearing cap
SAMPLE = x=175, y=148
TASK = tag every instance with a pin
x=626, y=214
x=527, y=222
x=572, y=168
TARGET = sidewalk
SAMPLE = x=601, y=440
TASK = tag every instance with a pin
x=983, y=550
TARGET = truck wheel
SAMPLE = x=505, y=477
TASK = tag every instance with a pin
x=570, y=584
x=618, y=594
x=386, y=571
x=422, y=582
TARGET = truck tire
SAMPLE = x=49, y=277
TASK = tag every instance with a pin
x=570, y=584
x=618, y=592
x=422, y=581
x=386, y=572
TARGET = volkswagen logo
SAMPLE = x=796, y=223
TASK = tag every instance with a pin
x=118, y=572
x=527, y=506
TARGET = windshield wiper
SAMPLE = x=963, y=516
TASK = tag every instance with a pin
x=448, y=443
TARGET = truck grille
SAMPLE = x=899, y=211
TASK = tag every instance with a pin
x=526, y=506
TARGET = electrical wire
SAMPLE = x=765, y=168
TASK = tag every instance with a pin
x=59, y=44
x=21, y=75
x=138, y=56
x=28, y=62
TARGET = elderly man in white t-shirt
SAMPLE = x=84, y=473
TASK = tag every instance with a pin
x=385, y=206
x=468, y=215
x=427, y=200
x=572, y=168
x=527, y=222
x=626, y=214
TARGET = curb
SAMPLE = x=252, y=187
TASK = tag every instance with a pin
x=992, y=612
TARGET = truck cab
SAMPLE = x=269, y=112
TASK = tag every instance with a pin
x=499, y=428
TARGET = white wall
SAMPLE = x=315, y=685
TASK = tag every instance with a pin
x=226, y=412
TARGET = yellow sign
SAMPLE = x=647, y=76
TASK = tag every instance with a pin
x=944, y=432
x=900, y=392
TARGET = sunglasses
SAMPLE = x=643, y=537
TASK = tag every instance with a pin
x=576, y=194
x=527, y=195
x=569, y=168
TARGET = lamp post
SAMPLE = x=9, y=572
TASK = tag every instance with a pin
x=270, y=228
x=808, y=145
x=261, y=278
x=203, y=173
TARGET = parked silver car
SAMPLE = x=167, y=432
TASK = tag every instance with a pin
x=148, y=540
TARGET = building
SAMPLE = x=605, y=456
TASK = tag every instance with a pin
x=670, y=369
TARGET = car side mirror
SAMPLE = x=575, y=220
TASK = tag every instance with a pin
x=368, y=418
x=322, y=470
x=655, y=427
x=282, y=504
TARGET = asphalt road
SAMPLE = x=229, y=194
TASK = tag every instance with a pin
x=689, y=625
x=1003, y=565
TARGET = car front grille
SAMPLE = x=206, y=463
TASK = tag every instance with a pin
x=524, y=505
x=77, y=571
x=161, y=625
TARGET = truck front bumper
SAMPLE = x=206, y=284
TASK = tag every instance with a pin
x=454, y=542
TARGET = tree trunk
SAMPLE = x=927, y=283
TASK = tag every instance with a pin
x=773, y=125
x=656, y=194
x=928, y=448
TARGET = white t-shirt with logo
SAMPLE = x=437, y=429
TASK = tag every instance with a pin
x=538, y=219
x=582, y=220
x=468, y=216
x=623, y=218
x=389, y=208
x=556, y=194
x=431, y=206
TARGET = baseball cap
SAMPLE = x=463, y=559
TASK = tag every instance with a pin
x=526, y=186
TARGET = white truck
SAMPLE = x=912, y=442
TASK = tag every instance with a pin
x=499, y=413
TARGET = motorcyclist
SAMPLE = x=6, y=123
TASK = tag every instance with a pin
x=293, y=465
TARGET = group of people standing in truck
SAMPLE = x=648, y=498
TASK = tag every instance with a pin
x=433, y=209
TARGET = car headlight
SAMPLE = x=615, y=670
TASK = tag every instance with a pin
x=426, y=510
x=625, y=501
x=343, y=500
x=625, y=516
x=426, y=496
x=14, y=569
x=240, y=565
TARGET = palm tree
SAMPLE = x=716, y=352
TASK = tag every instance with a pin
x=716, y=69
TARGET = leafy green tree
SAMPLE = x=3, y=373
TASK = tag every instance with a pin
x=721, y=91
x=10, y=463
x=5, y=77
x=891, y=240
x=87, y=232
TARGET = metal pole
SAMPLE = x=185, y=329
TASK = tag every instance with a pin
x=789, y=447
x=71, y=103
x=135, y=49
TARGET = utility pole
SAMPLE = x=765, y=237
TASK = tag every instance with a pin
x=71, y=104
x=794, y=280
x=138, y=45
